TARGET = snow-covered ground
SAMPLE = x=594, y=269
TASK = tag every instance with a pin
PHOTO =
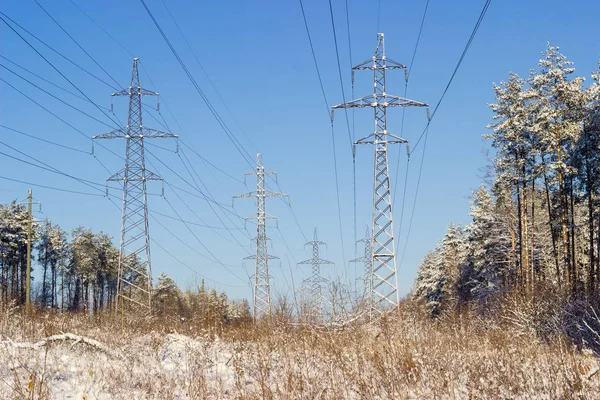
x=408, y=359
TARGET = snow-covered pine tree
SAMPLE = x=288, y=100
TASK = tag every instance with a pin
x=555, y=96
x=166, y=296
x=454, y=257
x=429, y=286
x=515, y=142
x=488, y=250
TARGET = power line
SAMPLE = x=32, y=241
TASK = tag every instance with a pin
x=166, y=126
x=180, y=240
x=210, y=163
x=426, y=130
x=57, y=70
x=212, y=209
x=404, y=189
x=353, y=123
x=289, y=204
x=151, y=115
x=202, y=244
x=183, y=242
x=206, y=189
x=213, y=111
x=337, y=189
x=312, y=49
x=192, y=269
x=77, y=43
x=46, y=80
x=328, y=112
x=103, y=30
x=204, y=72
x=412, y=213
x=55, y=97
x=50, y=187
x=59, y=118
x=55, y=51
x=412, y=60
x=337, y=54
x=205, y=197
x=349, y=37
x=191, y=223
x=44, y=140
x=49, y=168
x=89, y=183
x=164, y=36
x=337, y=193
x=462, y=57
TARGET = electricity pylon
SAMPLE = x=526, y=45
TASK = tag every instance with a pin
x=135, y=269
x=368, y=265
x=262, y=289
x=315, y=282
x=384, y=287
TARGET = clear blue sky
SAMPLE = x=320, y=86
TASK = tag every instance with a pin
x=257, y=56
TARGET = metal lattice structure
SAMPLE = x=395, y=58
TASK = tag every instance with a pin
x=384, y=280
x=135, y=268
x=368, y=267
x=262, y=288
x=315, y=282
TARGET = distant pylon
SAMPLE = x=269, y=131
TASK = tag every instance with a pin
x=368, y=268
x=315, y=282
x=262, y=289
x=135, y=269
x=384, y=287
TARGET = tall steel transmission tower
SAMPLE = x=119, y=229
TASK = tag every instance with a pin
x=315, y=282
x=367, y=260
x=384, y=286
x=135, y=269
x=262, y=289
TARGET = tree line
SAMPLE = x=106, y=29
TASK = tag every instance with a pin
x=536, y=219
x=78, y=272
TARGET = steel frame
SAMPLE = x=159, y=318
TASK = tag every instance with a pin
x=383, y=284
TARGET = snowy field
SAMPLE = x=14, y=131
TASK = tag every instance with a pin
x=409, y=358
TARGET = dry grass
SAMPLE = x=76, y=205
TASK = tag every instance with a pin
x=406, y=356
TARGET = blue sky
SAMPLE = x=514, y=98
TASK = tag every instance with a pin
x=256, y=54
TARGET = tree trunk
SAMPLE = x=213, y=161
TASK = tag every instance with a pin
x=512, y=239
x=53, y=284
x=44, y=286
x=552, y=233
x=533, y=263
x=563, y=213
x=520, y=225
x=590, y=202
x=62, y=289
x=574, y=261
x=525, y=250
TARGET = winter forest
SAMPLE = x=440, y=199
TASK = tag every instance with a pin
x=536, y=225
x=79, y=273
x=503, y=305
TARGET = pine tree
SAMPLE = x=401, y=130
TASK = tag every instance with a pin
x=489, y=246
x=166, y=296
x=454, y=256
x=430, y=284
x=557, y=126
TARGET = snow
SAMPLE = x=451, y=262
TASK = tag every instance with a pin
x=411, y=360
